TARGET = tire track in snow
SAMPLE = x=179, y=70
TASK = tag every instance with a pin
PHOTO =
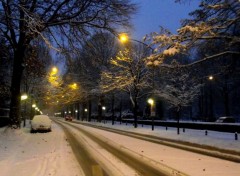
x=137, y=162
x=88, y=164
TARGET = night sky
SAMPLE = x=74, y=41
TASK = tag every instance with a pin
x=155, y=13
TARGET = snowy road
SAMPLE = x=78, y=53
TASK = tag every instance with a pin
x=113, y=159
x=122, y=155
x=101, y=153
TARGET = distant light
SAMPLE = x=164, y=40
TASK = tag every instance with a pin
x=73, y=86
x=54, y=70
x=34, y=105
x=76, y=110
x=85, y=110
x=150, y=101
x=210, y=77
x=104, y=108
x=69, y=112
x=65, y=112
x=24, y=97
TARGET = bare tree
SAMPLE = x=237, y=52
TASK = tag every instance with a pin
x=130, y=74
x=178, y=87
x=57, y=22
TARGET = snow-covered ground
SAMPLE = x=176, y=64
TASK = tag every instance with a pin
x=221, y=140
x=36, y=154
x=41, y=154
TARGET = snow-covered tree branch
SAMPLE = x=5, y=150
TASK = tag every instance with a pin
x=214, y=21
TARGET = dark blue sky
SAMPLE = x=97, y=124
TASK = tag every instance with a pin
x=155, y=13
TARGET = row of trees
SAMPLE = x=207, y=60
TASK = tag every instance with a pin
x=57, y=23
x=179, y=68
x=176, y=71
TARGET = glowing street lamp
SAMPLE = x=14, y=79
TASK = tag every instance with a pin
x=210, y=77
x=123, y=37
x=24, y=97
x=151, y=102
x=54, y=70
x=104, y=108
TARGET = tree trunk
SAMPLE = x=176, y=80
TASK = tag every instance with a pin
x=178, y=119
x=89, y=110
x=15, y=105
x=135, y=108
x=113, y=112
x=226, y=102
x=120, y=111
x=100, y=104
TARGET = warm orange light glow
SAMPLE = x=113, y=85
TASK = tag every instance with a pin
x=73, y=86
x=123, y=37
x=150, y=101
x=54, y=70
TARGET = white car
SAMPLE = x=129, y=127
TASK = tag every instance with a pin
x=41, y=123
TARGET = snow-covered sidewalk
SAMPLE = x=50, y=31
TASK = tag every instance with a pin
x=220, y=140
x=37, y=154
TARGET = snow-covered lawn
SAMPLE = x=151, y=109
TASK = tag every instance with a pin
x=37, y=154
x=213, y=138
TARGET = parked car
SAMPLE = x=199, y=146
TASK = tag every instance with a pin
x=41, y=123
x=68, y=118
x=226, y=120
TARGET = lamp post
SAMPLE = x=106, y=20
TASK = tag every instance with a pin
x=211, y=78
x=24, y=98
x=124, y=39
x=85, y=110
x=151, y=102
x=104, y=108
x=33, y=106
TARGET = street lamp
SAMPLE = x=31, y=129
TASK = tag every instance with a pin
x=24, y=97
x=104, y=108
x=210, y=77
x=54, y=70
x=151, y=102
x=123, y=37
